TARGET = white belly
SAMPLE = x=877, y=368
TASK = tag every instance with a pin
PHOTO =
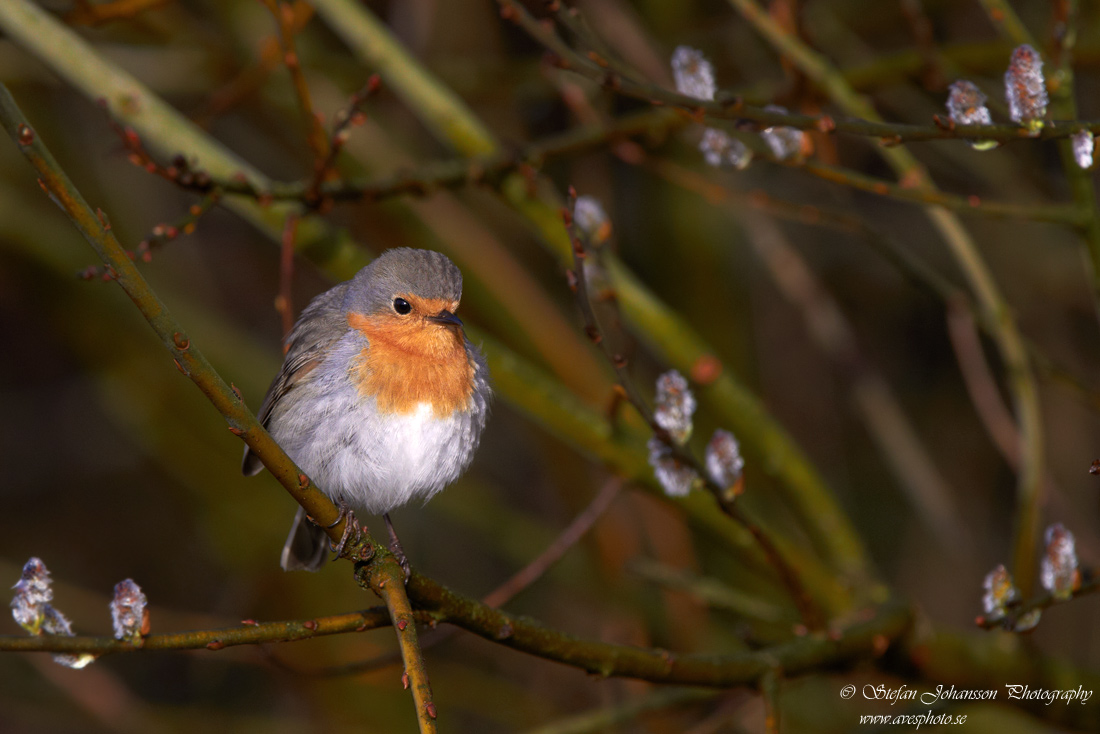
x=377, y=463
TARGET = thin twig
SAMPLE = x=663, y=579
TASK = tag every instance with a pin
x=284, y=16
x=866, y=636
x=94, y=14
x=1065, y=214
x=283, y=304
x=981, y=384
x=249, y=633
x=436, y=105
x=487, y=170
x=1082, y=187
x=769, y=690
x=162, y=234
x=246, y=82
x=1006, y=21
x=346, y=117
x=569, y=536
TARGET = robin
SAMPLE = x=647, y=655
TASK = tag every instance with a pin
x=381, y=398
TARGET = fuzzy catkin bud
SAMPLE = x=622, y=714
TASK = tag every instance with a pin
x=719, y=149
x=675, y=478
x=31, y=608
x=675, y=406
x=784, y=142
x=693, y=73
x=1082, y=148
x=1025, y=88
x=1058, y=569
x=128, y=611
x=32, y=596
x=1000, y=591
x=724, y=461
x=591, y=219
x=966, y=106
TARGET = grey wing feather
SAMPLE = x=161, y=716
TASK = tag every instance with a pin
x=321, y=325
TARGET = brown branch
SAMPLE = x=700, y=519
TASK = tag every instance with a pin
x=980, y=383
x=459, y=172
x=162, y=234
x=283, y=304
x=553, y=553
x=315, y=134
x=249, y=633
x=870, y=636
x=811, y=615
x=1066, y=214
x=388, y=581
x=384, y=575
x=350, y=115
x=250, y=79
x=94, y=14
x=867, y=635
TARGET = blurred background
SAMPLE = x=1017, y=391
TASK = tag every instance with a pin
x=116, y=467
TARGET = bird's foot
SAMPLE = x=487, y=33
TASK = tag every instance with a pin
x=352, y=531
x=402, y=559
x=396, y=549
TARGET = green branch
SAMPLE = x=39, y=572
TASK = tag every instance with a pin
x=252, y=633
x=799, y=656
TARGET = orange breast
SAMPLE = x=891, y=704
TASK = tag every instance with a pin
x=412, y=361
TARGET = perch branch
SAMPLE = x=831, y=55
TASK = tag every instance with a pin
x=190, y=361
x=249, y=633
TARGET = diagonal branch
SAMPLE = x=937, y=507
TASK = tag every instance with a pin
x=383, y=577
x=808, y=610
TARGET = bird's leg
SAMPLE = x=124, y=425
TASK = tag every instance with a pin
x=396, y=549
x=352, y=531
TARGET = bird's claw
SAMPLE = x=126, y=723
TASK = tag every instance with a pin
x=396, y=549
x=402, y=559
x=352, y=531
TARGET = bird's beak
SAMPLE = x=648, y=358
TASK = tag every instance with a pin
x=446, y=318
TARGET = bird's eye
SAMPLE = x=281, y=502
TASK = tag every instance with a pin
x=401, y=306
